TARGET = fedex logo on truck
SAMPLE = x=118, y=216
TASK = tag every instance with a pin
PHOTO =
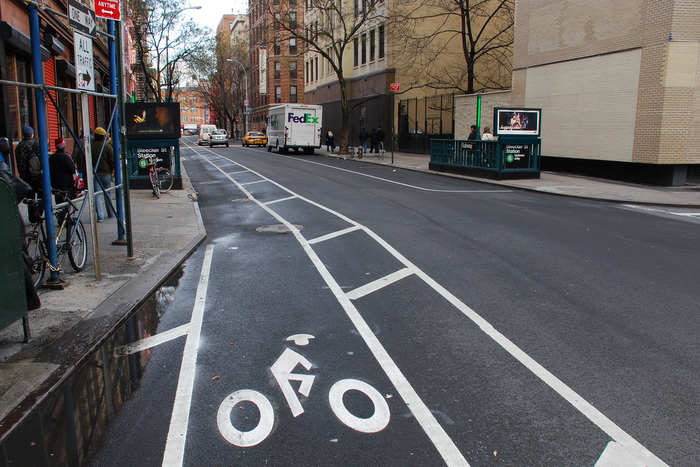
x=307, y=118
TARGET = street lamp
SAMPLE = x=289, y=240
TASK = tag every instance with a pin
x=168, y=68
x=245, y=114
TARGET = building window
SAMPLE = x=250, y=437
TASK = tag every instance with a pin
x=293, y=94
x=292, y=20
x=311, y=70
x=357, y=8
x=278, y=70
x=381, y=41
x=293, y=70
x=277, y=50
x=193, y=109
x=293, y=2
x=372, y=45
x=293, y=46
x=355, y=52
x=316, y=67
x=364, y=49
x=307, y=72
x=193, y=100
x=278, y=94
x=183, y=108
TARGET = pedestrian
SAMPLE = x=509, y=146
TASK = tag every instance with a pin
x=33, y=300
x=28, y=162
x=380, y=136
x=79, y=156
x=62, y=170
x=363, y=138
x=103, y=172
x=373, y=141
x=330, y=141
x=487, y=134
x=472, y=134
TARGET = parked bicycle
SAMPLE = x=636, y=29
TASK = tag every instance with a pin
x=160, y=177
x=70, y=239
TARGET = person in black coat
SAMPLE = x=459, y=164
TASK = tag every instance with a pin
x=472, y=134
x=62, y=170
x=374, y=141
x=363, y=138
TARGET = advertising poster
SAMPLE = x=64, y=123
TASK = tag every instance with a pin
x=152, y=120
x=517, y=122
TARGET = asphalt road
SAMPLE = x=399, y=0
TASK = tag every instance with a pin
x=342, y=313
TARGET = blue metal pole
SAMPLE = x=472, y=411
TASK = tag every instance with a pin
x=113, y=70
x=42, y=136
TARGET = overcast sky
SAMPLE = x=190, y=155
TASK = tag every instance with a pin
x=213, y=10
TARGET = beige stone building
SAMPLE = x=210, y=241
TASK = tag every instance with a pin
x=617, y=82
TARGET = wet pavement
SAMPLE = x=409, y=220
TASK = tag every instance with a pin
x=78, y=331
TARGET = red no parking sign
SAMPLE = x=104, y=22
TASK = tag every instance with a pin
x=108, y=9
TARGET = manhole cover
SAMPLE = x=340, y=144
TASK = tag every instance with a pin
x=277, y=228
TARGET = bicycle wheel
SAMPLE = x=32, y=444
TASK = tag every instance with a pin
x=155, y=183
x=36, y=258
x=77, y=251
x=165, y=177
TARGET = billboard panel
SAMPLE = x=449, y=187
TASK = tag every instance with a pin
x=152, y=120
x=516, y=122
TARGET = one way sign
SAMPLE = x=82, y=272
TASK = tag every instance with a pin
x=81, y=17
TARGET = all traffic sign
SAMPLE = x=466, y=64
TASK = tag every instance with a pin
x=108, y=9
x=81, y=17
x=84, y=64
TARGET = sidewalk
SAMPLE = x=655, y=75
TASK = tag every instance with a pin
x=73, y=322
x=558, y=184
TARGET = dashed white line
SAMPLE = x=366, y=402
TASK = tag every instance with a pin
x=334, y=234
x=379, y=284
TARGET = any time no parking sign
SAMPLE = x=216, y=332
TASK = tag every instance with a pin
x=108, y=9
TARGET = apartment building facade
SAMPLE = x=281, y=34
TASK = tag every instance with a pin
x=276, y=63
x=617, y=82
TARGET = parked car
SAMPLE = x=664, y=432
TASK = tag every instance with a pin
x=218, y=137
x=254, y=137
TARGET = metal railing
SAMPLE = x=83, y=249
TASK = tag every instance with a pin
x=487, y=156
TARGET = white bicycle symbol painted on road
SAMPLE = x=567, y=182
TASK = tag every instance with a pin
x=282, y=371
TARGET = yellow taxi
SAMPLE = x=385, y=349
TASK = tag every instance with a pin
x=254, y=137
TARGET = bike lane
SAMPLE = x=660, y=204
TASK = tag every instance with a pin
x=450, y=360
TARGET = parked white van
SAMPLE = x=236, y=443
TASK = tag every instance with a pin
x=204, y=132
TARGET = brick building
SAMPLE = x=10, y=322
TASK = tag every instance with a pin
x=617, y=82
x=276, y=64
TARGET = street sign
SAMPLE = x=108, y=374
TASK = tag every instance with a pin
x=395, y=86
x=81, y=17
x=84, y=65
x=108, y=9
x=245, y=102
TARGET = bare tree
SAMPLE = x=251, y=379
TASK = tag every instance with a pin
x=329, y=29
x=221, y=82
x=163, y=42
x=465, y=45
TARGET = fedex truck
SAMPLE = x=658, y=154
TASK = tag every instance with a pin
x=294, y=126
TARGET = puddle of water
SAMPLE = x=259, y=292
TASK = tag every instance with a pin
x=278, y=228
x=68, y=427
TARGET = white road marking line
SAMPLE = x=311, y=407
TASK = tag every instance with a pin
x=239, y=172
x=253, y=183
x=153, y=341
x=335, y=234
x=616, y=456
x=635, y=448
x=279, y=200
x=177, y=434
x=646, y=208
x=403, y=184
x=379, y=284
x=442, y=442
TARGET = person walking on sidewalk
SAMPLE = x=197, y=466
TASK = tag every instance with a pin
x=380, y=136
x=487, y=134
x=373, y=141
x=28, y=162
x=330, y=141
x=363, y=138
x=472, y=133
x=103, y=171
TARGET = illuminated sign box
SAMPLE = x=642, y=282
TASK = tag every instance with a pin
x=152, y=120
x=517, y=122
